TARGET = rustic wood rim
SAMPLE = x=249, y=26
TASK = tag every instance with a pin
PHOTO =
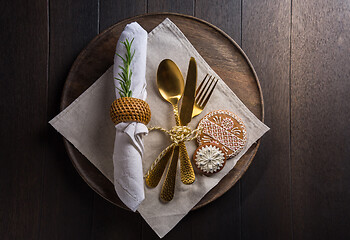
x=70, y=148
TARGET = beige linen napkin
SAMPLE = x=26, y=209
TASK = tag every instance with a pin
x=165, y=41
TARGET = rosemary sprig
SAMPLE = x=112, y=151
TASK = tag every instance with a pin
x=125, y=76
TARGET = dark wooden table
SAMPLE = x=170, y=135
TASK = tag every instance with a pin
x=298, y=186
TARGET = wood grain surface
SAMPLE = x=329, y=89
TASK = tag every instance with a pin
x=298, y=186
x=23, y=120
x=320, y=116
x=266, y=188
x=72, y=25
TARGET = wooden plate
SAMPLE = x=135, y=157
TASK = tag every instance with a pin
x=217, y=48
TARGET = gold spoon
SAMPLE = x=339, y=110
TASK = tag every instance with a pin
x=168, y=74
x=171, y=86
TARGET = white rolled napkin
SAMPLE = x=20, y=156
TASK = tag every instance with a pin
x=128, y=145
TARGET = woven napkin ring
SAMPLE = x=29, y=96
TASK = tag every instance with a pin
x=128, y=109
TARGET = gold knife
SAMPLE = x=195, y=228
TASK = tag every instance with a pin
x=186, y=169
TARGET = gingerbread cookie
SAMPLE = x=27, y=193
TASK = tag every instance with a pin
x=225, y=129
x=209, y=158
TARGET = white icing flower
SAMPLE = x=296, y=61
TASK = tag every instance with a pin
x=210, y=159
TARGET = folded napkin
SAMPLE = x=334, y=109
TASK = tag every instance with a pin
x=80, y=127
x=128, y=145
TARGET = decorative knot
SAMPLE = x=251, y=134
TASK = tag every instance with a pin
x=179, y=133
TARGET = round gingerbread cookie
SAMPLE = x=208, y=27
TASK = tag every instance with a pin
x=225, y=129
x=209, y=158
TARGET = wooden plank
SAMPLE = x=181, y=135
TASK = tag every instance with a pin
x=224, y=14
x=177, y=6
x=23, y=71
x=266, y=204
x=112, y=11
x=68, y=201
x=222, y=218
x=320, y=119
x=113, y=222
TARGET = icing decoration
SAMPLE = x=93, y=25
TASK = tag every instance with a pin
x=210, y=158
x=225, y=129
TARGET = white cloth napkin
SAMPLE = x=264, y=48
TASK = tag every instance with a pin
x=90, y=133
x=128, y=145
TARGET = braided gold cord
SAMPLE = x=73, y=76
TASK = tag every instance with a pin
x=179, y=133
x=155, y=172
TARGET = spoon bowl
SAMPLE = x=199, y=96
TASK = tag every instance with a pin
x=170, y=81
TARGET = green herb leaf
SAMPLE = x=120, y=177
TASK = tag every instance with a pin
x=125, y=76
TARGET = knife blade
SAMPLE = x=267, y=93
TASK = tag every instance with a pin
x=186, y=169
x=189, y=93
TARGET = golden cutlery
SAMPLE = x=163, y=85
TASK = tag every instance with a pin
x=170, y=84
x=156, y=171
x=188, y=99
x=168, y=188
x=203, y=93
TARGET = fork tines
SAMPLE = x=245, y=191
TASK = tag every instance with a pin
x=205, y=90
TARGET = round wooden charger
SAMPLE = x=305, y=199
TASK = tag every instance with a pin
x=217, y=48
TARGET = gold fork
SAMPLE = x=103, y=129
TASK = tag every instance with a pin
x=203, y=93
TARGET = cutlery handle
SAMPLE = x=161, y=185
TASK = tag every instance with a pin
x=176, y=113
x=168, y=188
x=186, y=169
x=157, y=168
